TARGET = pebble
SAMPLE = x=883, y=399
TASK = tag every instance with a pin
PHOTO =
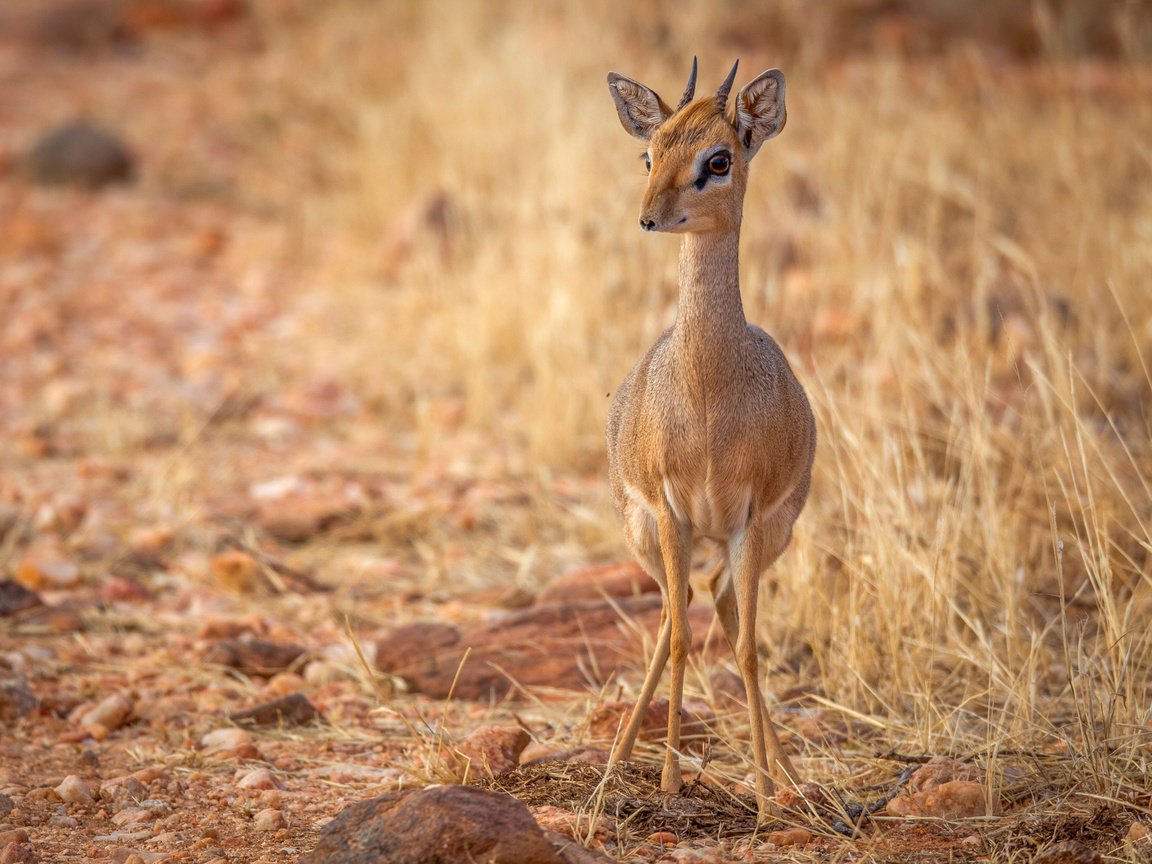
x=260, y=778
x=1137, y=831
x=80, y=154
x=75, y=790
x=958, y=799
x=663, y=838
x=18, y=853
x=490, y=751
x=15, y=835
x=228, y=738
x=110, y=714
x=268, y=820
x=789, y=837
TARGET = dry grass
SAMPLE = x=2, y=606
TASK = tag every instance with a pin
x=952, y=247
x=954, y=253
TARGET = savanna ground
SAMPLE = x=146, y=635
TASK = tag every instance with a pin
x=359, y=311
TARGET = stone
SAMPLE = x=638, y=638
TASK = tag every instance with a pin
x=957, y=799
x=1137, y=831
x=268, y=820
x=626, y=579
x=260, y=779
x=75, y=790
x=16, y=698
x=696, y=718
x=15, y=597
x=225, y=739
x=663, y=838
x=490, y=751
x=18, y=853
x=436, y=824
x=1068, y=852
x=291, y=710
x=235, y=570
x=253, y=656
x=558, y=645
x=558, y=820
x=789, y=837
x=80, y=153
x=109, y=714
x=940, y=770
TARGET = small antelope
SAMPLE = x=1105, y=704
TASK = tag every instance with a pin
x=710, y=435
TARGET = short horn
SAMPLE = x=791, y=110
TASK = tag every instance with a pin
x=690, y=90
x=726, y=87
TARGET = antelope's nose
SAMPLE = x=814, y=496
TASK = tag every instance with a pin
x=647, y=224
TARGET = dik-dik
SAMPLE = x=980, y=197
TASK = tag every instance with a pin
x=710, y=435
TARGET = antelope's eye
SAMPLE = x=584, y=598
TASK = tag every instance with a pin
x=647, y=163
x=719, y=165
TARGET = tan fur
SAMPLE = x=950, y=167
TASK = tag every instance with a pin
x=710, y=435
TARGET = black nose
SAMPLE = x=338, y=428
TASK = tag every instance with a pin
x=648, y=224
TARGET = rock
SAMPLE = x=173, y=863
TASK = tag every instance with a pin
x=490, y=751
x=1068, y=852
x=557, y=820
x=695, y=720
x=1137, y=831
x=253, y=656
x=18, y=853
x=268, y=820
x=789, y=837
x=15, y=597
x=15, y=835
x=298, y=518
x=291, y=710
x=663, y=838
x=44, y=573
x=75, y=790
x=238, y=571
x=80, y=153
x=230, y=743
x=394, y=650
x=958, y=799
x=7, y=805
x=16, y=699
x=260, y=778
x=110, y=714
x=626, y=579
x=561, y=645
x=436, y=824
x=571, y=852
x=940, y=770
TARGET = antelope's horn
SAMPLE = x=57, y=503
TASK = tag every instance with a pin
x=726, y=87
x=690, y=90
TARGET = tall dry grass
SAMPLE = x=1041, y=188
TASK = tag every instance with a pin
x=953, y=248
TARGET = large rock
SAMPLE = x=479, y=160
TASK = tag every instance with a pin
x=441, y=825
x=80, y=154
x=573, y=646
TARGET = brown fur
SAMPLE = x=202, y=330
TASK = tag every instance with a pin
x=710, y=435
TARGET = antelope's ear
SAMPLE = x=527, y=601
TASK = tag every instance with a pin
x=760, y=111
x=641, y=110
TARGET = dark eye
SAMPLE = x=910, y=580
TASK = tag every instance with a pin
x=719, y=164
x=647, y=164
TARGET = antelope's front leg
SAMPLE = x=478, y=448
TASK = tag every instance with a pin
x=676, y=549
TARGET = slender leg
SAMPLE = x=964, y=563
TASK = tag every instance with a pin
x=627, y=740
x=745, y=553
x=725, y=600
x=675, y=546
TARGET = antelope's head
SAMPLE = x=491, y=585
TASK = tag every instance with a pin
x=698, y=154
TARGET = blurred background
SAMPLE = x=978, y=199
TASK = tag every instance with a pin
x=398, y=240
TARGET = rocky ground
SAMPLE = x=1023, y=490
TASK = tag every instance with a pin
x=236, y=601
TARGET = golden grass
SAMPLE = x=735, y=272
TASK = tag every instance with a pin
x=954, y=251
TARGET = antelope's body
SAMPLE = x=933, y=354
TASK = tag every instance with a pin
x=710, y=435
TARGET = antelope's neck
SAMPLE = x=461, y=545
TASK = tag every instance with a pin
x=710, y=326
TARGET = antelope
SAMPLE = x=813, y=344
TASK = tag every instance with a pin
x=710, y=435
